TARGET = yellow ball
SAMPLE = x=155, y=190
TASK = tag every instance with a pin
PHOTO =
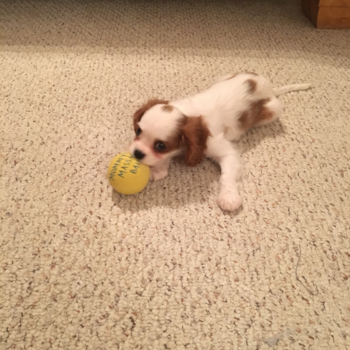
x=127, y=175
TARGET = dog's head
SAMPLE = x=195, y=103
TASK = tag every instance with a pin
x=162, y=132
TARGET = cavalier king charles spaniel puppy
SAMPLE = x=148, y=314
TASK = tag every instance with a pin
x=204, y=125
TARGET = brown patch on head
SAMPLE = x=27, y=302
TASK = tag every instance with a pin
x=174, y=142
x=171, y=144
x=251, y=85
x=195, y=134
x=141, y=111
x=167, y=108
x=257, y=114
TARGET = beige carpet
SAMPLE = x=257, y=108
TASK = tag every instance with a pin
x=85, y=268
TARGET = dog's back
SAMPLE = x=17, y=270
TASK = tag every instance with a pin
x=223, y=104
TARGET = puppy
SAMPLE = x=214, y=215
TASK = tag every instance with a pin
x=204, y=125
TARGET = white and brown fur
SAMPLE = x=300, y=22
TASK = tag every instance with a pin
x=204, y=125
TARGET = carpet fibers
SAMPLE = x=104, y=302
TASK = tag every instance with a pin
x=82, y=267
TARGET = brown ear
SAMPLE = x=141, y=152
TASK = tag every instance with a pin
x=195, y=134
x=140, y=112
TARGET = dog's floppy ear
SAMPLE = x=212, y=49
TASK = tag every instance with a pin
x=141, y=111
x=195, y=134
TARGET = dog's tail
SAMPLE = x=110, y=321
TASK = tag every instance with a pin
x=288, y=88
x=222, y=78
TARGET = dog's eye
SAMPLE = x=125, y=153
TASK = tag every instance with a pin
x=160, y=147
x=138, y=131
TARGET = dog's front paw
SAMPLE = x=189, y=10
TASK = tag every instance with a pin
x=158, y=173
x=229, y=200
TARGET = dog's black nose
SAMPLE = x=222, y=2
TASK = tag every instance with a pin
x=138, y=154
